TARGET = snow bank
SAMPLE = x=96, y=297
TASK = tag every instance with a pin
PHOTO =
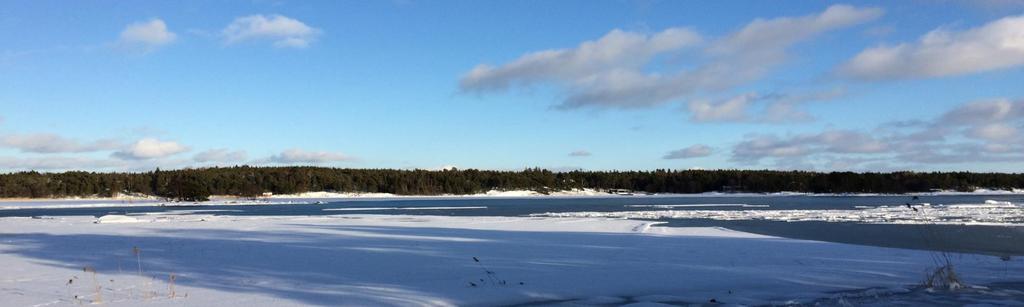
x=491, y=193
x=116, y=219
x=334, y=195
x=220, y=201
x=73, y=203
x=405, y=208
x=125, y=197
x=376, y=260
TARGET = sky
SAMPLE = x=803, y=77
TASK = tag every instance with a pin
x=562, y=85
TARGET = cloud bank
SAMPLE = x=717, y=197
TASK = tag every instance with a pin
x=51, y=143
x=986, y=131
x=150, y=148
x=614, y=71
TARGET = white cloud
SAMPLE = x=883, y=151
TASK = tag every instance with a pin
x=147, y=35
x=767, y=39
x=694, y=151
x=994, y=131
x=284, y=32
x=150, y=148
x=993, y=46
x=996, y=120
x=52, y=143
x=759, y=146
x=580, y=153
x=985, y=111
x=220, y=155
x=614, y=51
x=301, y=156
x=42, y=152
x=614, y=71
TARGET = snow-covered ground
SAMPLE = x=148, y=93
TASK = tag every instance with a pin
x=102, y=203
x=373, y=260
x=300, y=198
x=990, y=213
x=491, y=193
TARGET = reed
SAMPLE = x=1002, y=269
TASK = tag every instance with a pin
x=943, y=274
x=170, y=285
x=97, y=288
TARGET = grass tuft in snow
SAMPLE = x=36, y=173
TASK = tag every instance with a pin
x=97, y=288
x=147, y=290
x=170, y=286
x=943, y=275
x=138, y=258
x=492, y=277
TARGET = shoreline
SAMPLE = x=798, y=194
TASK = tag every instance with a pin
x=327, y=197
x=586, y=193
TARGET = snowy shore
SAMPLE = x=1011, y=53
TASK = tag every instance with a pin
x=300, y=198
x=372, y=260
x=279, y=199
x=313, y=197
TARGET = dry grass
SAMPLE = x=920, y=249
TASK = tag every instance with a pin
x=97, y=288
x=148, y=289
x=171, y=293
x=943, y=275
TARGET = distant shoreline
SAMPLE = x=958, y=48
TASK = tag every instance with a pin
x=201, y=183
x=586, y=193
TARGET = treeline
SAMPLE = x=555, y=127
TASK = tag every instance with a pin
x=199, y=184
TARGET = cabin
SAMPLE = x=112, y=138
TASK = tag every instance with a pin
x=620, y=191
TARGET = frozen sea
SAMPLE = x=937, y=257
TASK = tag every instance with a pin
x=878, y=249
x=984, y=224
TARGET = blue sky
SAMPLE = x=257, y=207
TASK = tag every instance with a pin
x=862, y=86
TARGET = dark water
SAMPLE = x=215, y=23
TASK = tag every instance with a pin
x=990, y=240
x=993, y=240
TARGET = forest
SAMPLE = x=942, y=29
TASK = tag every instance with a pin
x=200, y=183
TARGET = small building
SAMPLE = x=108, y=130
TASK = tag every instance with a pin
x=620, y=191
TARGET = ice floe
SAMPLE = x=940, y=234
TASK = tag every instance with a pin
x=989, y=213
